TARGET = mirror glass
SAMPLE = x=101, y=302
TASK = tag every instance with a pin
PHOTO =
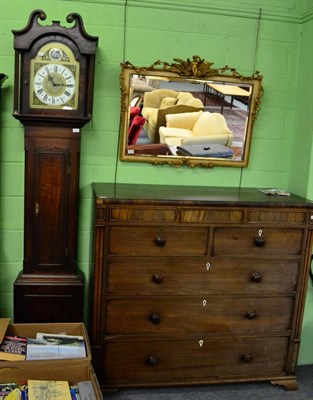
x=187, y=113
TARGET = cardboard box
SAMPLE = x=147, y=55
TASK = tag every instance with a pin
x=74, y=374
x=72, y=370
x=30, y=331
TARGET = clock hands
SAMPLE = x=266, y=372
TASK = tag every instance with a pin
x=50, y=78
x=64, y=84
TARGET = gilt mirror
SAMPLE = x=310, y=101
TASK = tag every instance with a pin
x=187, y=113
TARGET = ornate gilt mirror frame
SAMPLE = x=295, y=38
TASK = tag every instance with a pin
x=187, y=113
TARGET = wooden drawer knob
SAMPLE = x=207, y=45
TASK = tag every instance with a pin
x=152, y=361
x=255, y=277
x=155, y=318
x=246, y=357
x=160, y=241
x=251, y=315
x=259, y=241
x=157, y=278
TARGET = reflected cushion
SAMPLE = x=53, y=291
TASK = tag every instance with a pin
x=179, y=133
x=194, y=103
x=168, y=102
x=211, y=124
x=183, y=97
x=182, y=120
x=217, y=139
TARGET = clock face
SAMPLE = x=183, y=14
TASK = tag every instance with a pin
x=54, y=84
x=54, y=78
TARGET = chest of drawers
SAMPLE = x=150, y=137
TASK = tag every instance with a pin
x=197, y=285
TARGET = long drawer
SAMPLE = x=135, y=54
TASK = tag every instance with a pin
x=181, y=315
x=173, y=275
x=194, y=360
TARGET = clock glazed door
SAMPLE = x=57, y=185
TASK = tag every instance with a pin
x=50, y=228
x=54, y=82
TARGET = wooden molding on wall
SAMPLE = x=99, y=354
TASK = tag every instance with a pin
x=287, y=11
x=307, y=16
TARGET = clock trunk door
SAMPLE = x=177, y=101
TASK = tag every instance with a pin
x=51, y=208
x=51, y=201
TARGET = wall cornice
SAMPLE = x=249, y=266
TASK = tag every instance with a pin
x=218, y=8
x=308, y=16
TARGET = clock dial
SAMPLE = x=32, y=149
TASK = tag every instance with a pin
x=54, y=78
x=54, y=84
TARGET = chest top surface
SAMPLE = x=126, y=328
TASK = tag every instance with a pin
x=193, y=195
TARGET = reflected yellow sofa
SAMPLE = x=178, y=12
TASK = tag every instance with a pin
x=160, y=102
x=202, y=127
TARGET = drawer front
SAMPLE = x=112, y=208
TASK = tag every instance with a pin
x=175, y=275
x=277, y=216
x=196, y=360
x=210, y=215
x=179, y=315
x=267, y=241
x=156, y=241
x=142, y=214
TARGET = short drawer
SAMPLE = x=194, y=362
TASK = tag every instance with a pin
x=211, y=215
x=156, y=241
x=156, y=276
x=177, y=315
x=142, y=214
x=267, y=241
x=196, y=360
x=277, y=216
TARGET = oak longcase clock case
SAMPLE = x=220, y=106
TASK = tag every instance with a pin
x=53, y=90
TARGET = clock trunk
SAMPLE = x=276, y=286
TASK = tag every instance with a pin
x=50, y=227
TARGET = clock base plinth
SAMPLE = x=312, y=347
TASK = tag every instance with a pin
x=45, y=298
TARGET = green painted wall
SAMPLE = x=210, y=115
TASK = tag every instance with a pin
x=273, y=37
x=301, y=173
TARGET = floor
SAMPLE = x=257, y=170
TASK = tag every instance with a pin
x=242, y=391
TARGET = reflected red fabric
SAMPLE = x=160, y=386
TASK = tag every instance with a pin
x=135, y=129
x=132, y=114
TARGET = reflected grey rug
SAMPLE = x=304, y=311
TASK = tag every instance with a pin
x=238, y=391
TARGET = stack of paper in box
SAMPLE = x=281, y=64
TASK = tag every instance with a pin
x=51, y=346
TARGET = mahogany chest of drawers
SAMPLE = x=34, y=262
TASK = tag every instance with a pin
x=197, y=285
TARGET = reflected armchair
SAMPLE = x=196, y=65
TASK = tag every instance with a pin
x=158, y=103
x=195, y=128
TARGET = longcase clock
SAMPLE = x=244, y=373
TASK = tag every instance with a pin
x=53, y=91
